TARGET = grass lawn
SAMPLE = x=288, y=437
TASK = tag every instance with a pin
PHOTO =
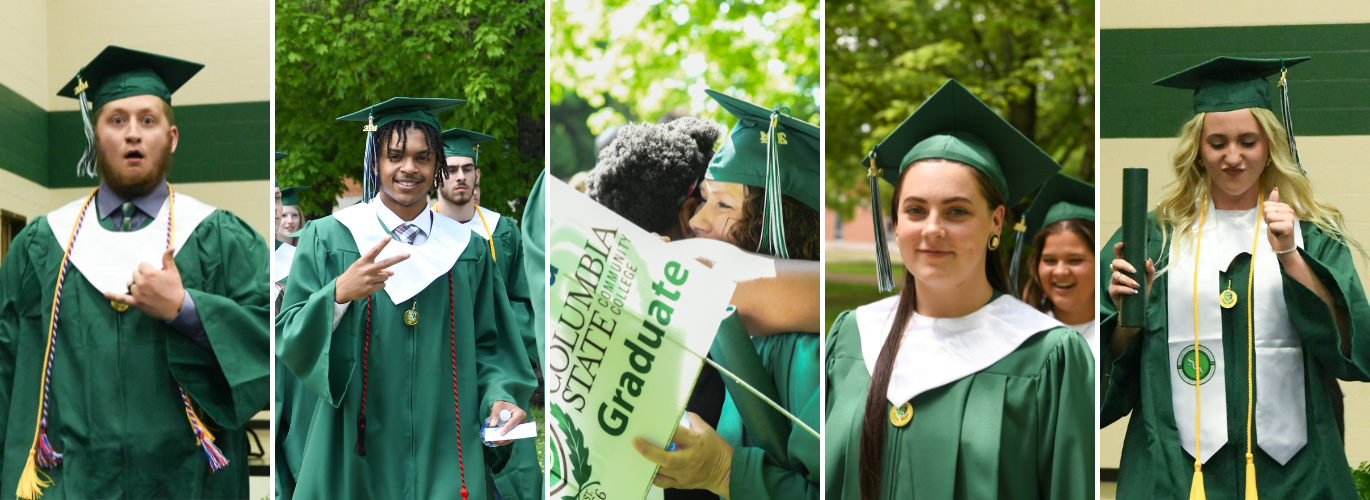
x=844, y=296
x=537, y=414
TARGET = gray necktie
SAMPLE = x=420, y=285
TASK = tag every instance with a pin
x=128, y=217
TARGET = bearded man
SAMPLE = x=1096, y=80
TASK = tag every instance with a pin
x=133, y=321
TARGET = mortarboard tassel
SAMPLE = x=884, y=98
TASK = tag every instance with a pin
x=1250, y=477
x=368, y=162
x=1288, y=116
x=1019, y=230
x=86, y=166
x=773, y=218
x=882, y=249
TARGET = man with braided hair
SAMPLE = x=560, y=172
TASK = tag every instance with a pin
x=397, y=318
x=138, y=388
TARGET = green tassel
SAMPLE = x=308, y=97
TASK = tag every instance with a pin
x=885, y=275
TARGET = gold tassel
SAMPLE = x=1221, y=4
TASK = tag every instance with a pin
x=30, y=485
x=1250, y=477
x=1196, y=492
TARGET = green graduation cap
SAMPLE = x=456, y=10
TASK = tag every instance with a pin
x=280, y=155
x=117, y=73
x=955, y=125
x=1232, y=83
x=769, y=149
x=1062, y=197
x=418, y=109
x=458, y=142
x=291, y=196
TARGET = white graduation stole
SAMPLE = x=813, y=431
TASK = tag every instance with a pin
x=426, y=262
x=281, y=259
x=488, y=228
x=107, y=258
x=938, y=351
x=1281, y=420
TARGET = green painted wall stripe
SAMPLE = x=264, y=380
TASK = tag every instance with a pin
x=219, y=142
x=24, y=127
x=1330, y=94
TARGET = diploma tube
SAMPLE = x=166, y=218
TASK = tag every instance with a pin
x=1133, y=313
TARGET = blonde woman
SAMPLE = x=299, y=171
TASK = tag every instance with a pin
x=954, y=389
x=1259, y=415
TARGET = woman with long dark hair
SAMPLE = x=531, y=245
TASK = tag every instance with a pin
x=953, y=388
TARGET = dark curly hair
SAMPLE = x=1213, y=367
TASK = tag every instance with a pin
x=649, y=168
x=801, y=225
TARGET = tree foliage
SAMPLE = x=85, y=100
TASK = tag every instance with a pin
x=334, y=57
x=618, y=61
x=1031, y=60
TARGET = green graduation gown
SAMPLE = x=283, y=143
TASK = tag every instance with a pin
x=1154, y=465
x=116, y=415
x=792, y=361
x=1023, y=428
x=410, y=435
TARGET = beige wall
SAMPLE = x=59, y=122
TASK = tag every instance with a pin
x=24, y=39
x=1340, y=173
x=232, y=38
x=1118, y=14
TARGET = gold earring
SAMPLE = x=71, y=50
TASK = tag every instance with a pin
x=994, y=242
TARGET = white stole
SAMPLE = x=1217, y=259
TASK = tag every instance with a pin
x=108, y=258
x=939, y=351
x=1281, y=420
x=426, y=262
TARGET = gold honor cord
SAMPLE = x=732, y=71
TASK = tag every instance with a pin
x=1196, y=491
x=490, y=238
x=1250, y=343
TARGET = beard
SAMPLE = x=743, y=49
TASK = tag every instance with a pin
x=129, y=186
x=449, y=193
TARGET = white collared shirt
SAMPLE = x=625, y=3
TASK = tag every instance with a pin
x=392, y=222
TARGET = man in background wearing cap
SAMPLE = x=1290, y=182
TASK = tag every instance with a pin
x=522, y=476
x=138, y=388
x=396, y=317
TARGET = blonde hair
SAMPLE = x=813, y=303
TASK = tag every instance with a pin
x=1179, y=208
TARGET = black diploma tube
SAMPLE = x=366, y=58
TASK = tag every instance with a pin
x=1133, y=313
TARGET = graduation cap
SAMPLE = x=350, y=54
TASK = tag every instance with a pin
x=458, y=142
x=1062, y=197
x=280, y=155
x=418, y=109
x=1231, y=83
x=955, y=125
x=290, y=196
x=117, y=73
x=769, y=149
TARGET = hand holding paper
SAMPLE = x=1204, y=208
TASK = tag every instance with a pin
x=510, y=414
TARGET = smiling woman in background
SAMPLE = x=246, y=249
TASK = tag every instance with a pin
x=1061, y=267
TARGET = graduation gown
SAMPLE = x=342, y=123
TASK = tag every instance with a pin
x=792, y=361
x=1021, y=428
x=115, y=413
x=410, y=434
x=1154, y=465
x=521, y=478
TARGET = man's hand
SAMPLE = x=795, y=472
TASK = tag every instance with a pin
x=156, y=292
x=365, y=276
x=702, y=460
x=516, y=418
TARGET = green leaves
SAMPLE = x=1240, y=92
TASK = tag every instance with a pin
x=334, y=57
x=644, y=60
x=575, y=443
x=1033, y=61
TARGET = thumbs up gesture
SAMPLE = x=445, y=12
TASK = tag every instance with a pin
x=156, y=292
x=1279, y=222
